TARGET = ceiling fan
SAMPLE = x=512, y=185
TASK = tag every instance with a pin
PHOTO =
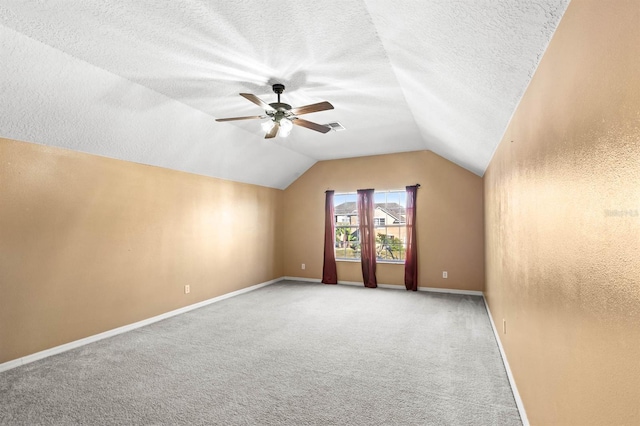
x=281, y=116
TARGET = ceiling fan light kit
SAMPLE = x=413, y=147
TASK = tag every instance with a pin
x=282, y=116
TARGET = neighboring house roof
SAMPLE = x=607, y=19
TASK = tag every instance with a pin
x=346, y=209
x=394, y=210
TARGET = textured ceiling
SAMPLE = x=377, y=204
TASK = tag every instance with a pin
x=144, y=81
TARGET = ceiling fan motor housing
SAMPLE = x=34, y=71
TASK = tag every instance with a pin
x=281, y=110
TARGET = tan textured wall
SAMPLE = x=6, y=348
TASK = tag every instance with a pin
x=88, y=244
x=562, y=198
x=449, y=222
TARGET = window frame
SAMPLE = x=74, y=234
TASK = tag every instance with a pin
x=347, y=229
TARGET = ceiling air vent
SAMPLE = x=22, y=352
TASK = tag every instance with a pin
x=335, y=126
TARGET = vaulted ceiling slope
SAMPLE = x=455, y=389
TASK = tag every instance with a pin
x=144, y=81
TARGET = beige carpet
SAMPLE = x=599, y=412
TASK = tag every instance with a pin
x=291, y=354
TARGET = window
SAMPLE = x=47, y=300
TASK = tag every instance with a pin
x=389, y=222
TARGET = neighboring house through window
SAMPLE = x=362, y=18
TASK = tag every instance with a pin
x=389, y=223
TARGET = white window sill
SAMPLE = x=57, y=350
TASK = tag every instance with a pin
x=390, y=262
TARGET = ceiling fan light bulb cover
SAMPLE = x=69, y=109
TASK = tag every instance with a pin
x=285, y=123
x=268, y=125
x=285, y=127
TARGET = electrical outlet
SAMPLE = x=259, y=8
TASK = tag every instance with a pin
x=444, y=274
x=504, y=326
x=303, y=266
x=187, y=289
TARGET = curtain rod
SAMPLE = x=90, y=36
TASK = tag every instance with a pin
x=383, y=190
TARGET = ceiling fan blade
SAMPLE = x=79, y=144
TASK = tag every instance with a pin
x=311, y=125
x=321, y=106
x=241, y=118
x=256, y=100
x=273, y=132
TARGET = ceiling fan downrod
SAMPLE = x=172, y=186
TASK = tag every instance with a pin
x=278, y=89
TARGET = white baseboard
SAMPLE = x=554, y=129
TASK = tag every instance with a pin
x=308, y=280
x=512, y=381
x=450, y=291
x=393, y=286
x=110, y=333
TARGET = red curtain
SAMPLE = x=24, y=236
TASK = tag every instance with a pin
x=366, y=206
x=411, y=262
x=329, y=272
